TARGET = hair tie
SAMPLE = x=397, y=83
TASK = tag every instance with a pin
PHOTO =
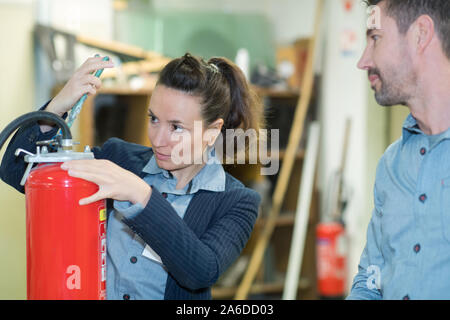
x=214, y=68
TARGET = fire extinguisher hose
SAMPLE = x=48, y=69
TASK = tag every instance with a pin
x=33, y=117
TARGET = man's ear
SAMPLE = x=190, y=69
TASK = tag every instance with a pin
x=213, y=131
x=423, y=32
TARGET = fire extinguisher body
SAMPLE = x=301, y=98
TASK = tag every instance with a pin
x=66, y=242
x=331, y=260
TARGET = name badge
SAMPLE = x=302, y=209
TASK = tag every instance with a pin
x=149, y=253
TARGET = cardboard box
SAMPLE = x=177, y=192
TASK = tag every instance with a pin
x=296, y=55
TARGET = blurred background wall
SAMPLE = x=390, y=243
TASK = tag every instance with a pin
x=17, y=98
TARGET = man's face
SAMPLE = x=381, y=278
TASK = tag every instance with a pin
x=388, y=62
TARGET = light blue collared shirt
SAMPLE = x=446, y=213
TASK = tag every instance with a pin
x=407, y=254
x=131, y=274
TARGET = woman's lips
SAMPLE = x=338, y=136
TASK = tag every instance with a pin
x=161, y=156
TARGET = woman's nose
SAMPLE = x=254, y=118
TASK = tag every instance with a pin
x=159, y=138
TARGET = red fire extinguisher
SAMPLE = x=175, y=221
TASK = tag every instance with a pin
x=331, y=260
x=65, y=242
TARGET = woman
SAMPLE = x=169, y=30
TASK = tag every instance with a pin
x=176, y=220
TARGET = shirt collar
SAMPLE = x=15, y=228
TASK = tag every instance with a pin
x=211, y=177
x=411, y=127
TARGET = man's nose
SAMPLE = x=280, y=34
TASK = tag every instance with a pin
x=365, y=62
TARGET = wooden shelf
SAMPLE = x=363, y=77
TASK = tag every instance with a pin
x=275, y=93
x=128, y=90
x=125, y=90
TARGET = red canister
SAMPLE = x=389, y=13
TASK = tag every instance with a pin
x=66, y=242
x=331, y=252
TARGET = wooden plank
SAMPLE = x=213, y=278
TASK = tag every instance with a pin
x=118, y=47
x=282, y=181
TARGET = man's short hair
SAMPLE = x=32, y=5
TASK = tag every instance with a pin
x=405, y=12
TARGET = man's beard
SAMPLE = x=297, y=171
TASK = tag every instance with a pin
x=392, y=90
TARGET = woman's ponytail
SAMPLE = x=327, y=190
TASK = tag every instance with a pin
x=246, y=110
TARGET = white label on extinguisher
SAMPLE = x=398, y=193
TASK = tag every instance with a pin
x=324, y=258
x=103, y=273
x=103, y=261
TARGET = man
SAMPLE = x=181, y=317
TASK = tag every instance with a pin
x=407, y=254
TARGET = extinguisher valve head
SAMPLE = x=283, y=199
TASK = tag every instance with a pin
x=66, y=144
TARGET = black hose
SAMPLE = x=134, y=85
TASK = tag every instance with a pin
x=32, y=117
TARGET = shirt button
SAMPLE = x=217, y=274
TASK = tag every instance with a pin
x=423, y=151
x=164, y=194
x=126, y=297
x=417, y=248
x=133, y=259
x=406, y=297
x=423, y=198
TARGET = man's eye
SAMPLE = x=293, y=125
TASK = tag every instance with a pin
x=375, y=37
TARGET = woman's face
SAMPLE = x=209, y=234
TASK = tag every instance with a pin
x=176, y=129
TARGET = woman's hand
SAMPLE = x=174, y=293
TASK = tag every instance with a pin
x=83, y=81
x=114, y=182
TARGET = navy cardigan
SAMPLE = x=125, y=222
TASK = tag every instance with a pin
x=197, y=249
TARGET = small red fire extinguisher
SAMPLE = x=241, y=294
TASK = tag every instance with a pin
x=66, y=242
x=331, y=238
x=331, y=252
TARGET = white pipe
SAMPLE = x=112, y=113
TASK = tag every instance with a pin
x=302, y=214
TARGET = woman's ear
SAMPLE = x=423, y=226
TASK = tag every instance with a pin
x=213, y=132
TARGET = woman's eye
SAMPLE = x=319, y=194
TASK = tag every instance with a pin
x=153, y=119
x=375, y=37
x=176, y=128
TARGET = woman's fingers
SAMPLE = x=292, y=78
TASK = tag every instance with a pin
x=94, y=171
x=92, y=165
x=94, y=64
x=91, y=199
x=87, y=88
x=113, y=181
x=89, y=176
x=93, y=81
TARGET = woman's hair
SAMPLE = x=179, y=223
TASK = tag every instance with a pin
x=223, y=90
x=222, y=87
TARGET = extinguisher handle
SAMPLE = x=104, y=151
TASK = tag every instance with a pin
x=26, y=174
x=29, y=166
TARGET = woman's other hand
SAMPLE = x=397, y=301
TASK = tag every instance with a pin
x=114, y=182
x=83, y=81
